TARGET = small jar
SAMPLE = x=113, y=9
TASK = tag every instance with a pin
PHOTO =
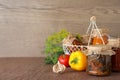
x=116, y=59
x=98, y=41
x=98, y=35
x=99, y=65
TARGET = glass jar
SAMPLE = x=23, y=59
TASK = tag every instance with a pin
x=99, y=37
x=99, y=65
x=116, y=59
x=97, y=40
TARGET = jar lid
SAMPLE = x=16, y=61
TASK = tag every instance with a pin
x=114, y=42
x=100, y=49
x=107, y=52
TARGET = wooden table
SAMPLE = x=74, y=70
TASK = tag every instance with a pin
x=36, y=69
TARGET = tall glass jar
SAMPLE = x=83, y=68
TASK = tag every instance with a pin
x=115, y=44
x=116, y=59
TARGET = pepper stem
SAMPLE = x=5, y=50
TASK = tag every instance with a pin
x=75, y=60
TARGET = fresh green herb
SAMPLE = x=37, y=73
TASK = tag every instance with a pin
x=53, y=46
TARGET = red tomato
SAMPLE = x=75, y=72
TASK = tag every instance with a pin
x=64, y=59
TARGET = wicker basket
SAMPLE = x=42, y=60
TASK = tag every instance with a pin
x=68, y=49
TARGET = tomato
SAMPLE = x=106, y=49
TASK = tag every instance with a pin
x=64, y=59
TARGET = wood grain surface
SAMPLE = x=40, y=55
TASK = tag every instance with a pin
x=25, y=24
x=36, y=69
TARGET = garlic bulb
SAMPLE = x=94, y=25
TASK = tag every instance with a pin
x=58, y=68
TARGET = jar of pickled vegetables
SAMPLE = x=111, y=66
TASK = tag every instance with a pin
x=99, y=65
x=99, y=61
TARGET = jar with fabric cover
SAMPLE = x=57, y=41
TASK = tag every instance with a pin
x=115, y=44
x=99, y=60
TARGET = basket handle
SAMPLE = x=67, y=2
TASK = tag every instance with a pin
x=91, y=27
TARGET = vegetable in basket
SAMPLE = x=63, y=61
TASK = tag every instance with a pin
x=72, y=43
